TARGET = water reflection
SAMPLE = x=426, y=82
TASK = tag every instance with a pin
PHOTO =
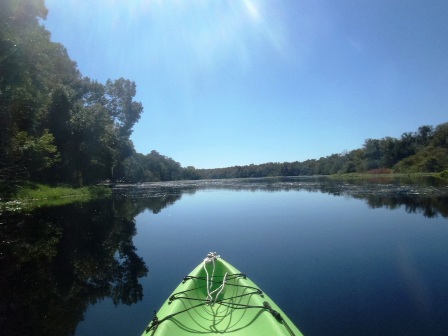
x=138, y=201
x=57, y=261
x=425, y=195
x=429, y=207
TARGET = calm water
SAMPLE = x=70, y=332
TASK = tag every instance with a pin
x=339, y=258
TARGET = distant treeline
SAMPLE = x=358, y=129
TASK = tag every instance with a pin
x=57, y=126
x=423, y=151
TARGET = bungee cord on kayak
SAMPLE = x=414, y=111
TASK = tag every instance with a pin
x=238, y=297
x=227, y=302
x=211, y=257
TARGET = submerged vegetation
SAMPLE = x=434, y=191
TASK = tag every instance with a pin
x=59, y=127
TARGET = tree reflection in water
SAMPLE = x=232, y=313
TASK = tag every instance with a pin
x=57, y=261
x=425, y=195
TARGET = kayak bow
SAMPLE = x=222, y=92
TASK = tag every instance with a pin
x=216, y=298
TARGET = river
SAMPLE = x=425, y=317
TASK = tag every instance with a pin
x=360, y=257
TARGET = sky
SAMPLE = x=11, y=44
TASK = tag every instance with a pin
x=238, y=82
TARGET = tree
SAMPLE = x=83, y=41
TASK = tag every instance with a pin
x=35, y=154
x=425, y=134
x=440, y=138
x=190, y=173
x=389, y=149
x=124, y=111
x=31, y=66
x=372, y=154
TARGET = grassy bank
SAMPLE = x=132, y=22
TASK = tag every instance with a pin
x=31, y=195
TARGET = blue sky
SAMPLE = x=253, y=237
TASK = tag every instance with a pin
x=235, y=82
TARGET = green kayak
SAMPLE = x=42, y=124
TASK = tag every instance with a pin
x=216, y=298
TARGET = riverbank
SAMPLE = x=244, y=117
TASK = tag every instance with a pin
x=441, y=175
x=32, y=195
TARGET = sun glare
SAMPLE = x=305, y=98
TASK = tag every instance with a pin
x=193, y=37
x=252, y=10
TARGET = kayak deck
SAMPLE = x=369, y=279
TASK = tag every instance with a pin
x=215, y=298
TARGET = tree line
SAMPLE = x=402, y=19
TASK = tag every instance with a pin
x=55, y=124
x=58, y=126
x=425, y=150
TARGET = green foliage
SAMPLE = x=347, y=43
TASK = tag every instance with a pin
x=427, y=160
x=422, y=151
x=444, y=174
x=124, y=111
x=58, y=126
x=154, y=167
x=29, y=195
x=54, y=124
x=32, y=191
x=36, y=153
x=440, y=137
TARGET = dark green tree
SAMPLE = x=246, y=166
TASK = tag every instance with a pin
x=121, y=106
